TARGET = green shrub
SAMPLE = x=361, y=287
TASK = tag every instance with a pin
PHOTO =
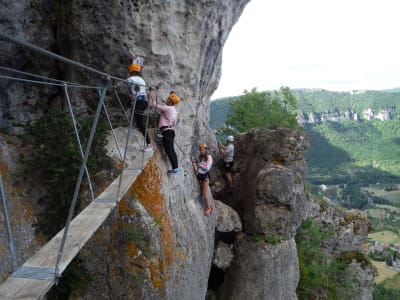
x=318, y=277
x=269, y=239
x=56, y=161
x=55, y=164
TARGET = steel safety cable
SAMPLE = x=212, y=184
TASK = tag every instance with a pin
x=8, y=225
x=79, y=179
x=145, y=133
x=120, y=103
x=27, y=45
x=133, y=105
x=78, y=139
x=111, y=127
x=47, y=83
x=155, y=114
x=39, y=76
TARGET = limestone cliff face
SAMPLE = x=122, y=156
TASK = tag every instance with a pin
x=351, y=228
x=270, y=198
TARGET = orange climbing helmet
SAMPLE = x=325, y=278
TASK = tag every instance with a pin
x=174, y=98
x=134, y=68
x=203, y=146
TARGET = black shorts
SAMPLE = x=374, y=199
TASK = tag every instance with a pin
x=203, y=177
x=228, y=166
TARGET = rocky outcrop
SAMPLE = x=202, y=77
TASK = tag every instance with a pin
x=262, y=271
x=269, y=193
x=350, y=229
x=269, y=196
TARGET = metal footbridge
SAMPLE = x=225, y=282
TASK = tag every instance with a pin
x=39, y=273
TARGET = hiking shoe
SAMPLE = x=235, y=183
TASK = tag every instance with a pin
x=208, y=210
x=173, y=171
x=149, y=147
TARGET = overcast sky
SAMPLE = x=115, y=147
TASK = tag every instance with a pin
x=338, y=45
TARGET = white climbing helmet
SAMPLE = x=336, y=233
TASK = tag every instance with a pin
x=230, y=138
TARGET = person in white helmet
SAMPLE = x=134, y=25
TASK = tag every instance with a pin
x=138, y=87
x=227, y=154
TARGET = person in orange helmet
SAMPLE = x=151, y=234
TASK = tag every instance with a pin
x=168, y=119
x=202, y=168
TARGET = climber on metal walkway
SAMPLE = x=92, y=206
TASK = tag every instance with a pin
x=138, y=88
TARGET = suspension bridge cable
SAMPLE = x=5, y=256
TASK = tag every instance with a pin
x=8, y=225
x=133, y=106
x=37, y=76
x=112, y=129
x=78, y=139
x=29, y=46
x=79, y=180
x=145, y=134
x=48, y=83
x=122, y=107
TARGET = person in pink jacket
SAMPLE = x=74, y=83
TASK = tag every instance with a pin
x=168, y=118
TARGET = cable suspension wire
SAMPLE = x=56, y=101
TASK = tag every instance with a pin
x=8, y=225
x=48, y=83
x=145, y=134
x=133, y=105
x=112, y=129
x=122, y=107
x=78, y=139
x=79, y=180
x=37, y=76
x=155, y=115
x=29, y=46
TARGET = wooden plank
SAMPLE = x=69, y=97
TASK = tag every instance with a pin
x=81, y=229
x=24, y=288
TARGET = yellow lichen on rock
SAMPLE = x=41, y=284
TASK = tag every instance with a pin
x=147, y=190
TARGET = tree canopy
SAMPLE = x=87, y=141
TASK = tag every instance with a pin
x=262, y=110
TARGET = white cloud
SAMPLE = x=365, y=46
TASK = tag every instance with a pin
x=336, y=45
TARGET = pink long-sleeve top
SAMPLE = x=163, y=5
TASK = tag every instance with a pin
x=204, y=166
x=168, y=116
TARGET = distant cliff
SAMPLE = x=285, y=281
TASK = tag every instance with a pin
x=314, y=118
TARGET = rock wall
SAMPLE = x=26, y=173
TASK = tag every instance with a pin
x=270, y=198
x=181, y=42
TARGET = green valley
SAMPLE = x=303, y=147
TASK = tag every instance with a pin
x=353, y=160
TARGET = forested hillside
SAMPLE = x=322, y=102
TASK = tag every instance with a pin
x=338, y=150
x=322, y=100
